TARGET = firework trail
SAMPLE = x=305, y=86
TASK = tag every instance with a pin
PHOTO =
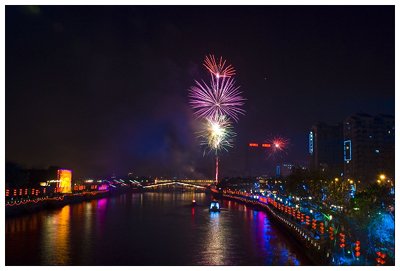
x=218, y=70
x=218, y=134
x=216, y=100
x=278, y=144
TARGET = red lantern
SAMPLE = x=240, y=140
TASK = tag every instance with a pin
x=342, y=240
x=331, y=233
x=358, y=254
x=357, y=248
x=383, y=255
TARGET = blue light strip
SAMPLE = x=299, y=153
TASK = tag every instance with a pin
x=311, y=142
x=347, y=153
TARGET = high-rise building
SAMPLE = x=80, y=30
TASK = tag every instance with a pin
x=359, y=150
x=368, y=148
x=326, y=147
x=287, y=169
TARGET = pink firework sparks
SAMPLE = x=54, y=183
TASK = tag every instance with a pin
x=221, y=98
x=218, y=70
x=279, y=144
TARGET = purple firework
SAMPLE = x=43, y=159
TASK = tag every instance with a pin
x=221, y=98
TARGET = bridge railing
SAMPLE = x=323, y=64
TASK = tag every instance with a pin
x=187, y=181
x=193, y=183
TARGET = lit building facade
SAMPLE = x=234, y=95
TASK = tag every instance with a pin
x=368, y=148
x=287, y=169
x=64, y=176
x=359, y=150
x=326, y=147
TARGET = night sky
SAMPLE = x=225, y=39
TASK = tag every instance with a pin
x=104, y=89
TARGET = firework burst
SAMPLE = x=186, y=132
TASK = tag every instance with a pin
x=218, y=134
x=221, y=98
x=216, y=104
x=218, y=70
x=278, y=144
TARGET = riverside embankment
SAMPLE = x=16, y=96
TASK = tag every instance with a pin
x=31, y=205
x=316, y=249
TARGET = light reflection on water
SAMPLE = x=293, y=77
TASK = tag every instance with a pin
x=55, y=238
x=213, y=248
x=153, y=228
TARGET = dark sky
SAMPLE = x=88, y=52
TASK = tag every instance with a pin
x=104, y=89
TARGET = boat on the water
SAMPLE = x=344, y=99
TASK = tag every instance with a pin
x=214, y=206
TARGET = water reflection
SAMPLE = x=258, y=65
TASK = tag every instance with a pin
x=22, y=224
x=131, y=229
x=55, y=238
x=278, y=253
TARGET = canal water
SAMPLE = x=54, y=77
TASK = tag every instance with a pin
x=152, y=228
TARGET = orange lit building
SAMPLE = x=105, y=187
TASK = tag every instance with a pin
x=65, y=180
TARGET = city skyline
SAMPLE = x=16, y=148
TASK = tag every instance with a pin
x=104, y=89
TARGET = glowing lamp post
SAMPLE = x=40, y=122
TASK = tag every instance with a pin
x=381, y=179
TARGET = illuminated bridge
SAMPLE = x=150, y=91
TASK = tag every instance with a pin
x=200, y=184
